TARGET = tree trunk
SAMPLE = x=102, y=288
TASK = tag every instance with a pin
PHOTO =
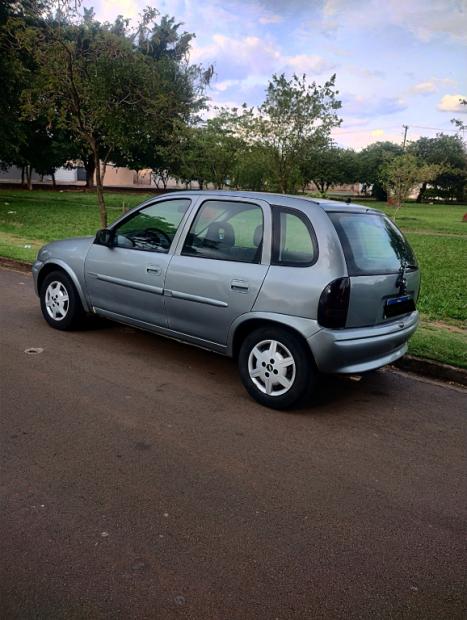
x=22, y=176
x=54, y=184
x=90, y=168
x=421, y=193
x=100, y=191
x=29, y=177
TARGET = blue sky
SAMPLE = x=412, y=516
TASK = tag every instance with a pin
x=397, y=61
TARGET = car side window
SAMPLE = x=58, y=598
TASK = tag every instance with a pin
x=224, y=230
x=294, y=240
x=153, y=228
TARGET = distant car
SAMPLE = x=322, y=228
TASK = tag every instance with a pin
x=288, y=286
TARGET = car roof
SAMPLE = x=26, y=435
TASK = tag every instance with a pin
x=282, y=200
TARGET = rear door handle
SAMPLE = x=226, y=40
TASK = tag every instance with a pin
x=154, y=269
x=241, y=286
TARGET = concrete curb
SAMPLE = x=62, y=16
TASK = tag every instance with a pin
x=432, y=369
x=417, y=365
x=17, y=265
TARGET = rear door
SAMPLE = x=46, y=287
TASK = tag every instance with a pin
x=218, y=270
x=384, y=275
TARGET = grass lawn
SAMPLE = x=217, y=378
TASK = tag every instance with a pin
x=436, y=232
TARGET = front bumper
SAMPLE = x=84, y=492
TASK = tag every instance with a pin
x=362, y=349
x=36, y=267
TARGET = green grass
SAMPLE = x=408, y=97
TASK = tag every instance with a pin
x=440, y=344
x=443, y=265
x=427, y=218
x=52, y=215
x=436, y=232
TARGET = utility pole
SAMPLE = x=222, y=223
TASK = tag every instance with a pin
x=406, y=127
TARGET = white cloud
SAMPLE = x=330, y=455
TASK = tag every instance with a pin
x=235, y=58
x=429, y=19
x=424, y=88
x=425, y=19
x=430, y=86
x=308, y=63
x=270, y=19
x=369, y=106
x=452, y=103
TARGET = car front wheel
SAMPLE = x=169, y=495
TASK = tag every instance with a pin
x=276, y=368
x=60, y=303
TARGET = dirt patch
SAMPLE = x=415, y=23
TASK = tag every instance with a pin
x=17, y=265
x=446, y=326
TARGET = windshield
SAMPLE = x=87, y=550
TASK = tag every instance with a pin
x=372, y=244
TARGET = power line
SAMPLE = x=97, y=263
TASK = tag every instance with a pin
x=434, y=128
x=363, y=129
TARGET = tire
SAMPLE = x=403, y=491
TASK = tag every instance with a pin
x=264, y=374
x=60, y=302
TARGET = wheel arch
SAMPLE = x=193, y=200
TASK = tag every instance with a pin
x=59, y=265
x=302, y=328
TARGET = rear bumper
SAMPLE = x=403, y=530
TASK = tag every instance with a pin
x=362, y=349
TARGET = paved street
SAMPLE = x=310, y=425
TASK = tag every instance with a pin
x=140, y=481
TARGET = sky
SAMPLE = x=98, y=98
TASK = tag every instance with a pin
x=397, y=62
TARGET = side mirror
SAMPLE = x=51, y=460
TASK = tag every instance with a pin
x=104, y=237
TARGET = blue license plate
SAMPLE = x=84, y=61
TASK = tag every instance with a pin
x=399, y=305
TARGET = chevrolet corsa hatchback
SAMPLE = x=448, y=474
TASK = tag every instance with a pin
x=288, y=286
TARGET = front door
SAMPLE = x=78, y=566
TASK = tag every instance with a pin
x=217, y=274
x=127, y=279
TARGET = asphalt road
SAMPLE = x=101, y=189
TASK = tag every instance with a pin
x=140, y=481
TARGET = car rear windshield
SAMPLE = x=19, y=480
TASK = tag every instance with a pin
x=371, y=243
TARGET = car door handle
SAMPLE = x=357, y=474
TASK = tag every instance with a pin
x=241, y=286
x=154, y=269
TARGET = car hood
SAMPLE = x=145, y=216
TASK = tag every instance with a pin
x=65, y=248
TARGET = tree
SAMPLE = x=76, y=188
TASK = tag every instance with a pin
x=294, y=114
x=371, y=159
x=192, y=163
x=330, y=166
x=401, y=174
x=450, y=153
x=253, y=168
x=110, y=88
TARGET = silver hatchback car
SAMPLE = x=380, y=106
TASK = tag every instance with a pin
x=288, y=286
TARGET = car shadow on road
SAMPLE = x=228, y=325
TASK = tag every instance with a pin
x=332, y=392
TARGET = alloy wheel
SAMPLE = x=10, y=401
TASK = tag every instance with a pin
x=271, y=367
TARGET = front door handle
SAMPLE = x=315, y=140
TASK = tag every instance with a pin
x=241, y=286
x=154, y=269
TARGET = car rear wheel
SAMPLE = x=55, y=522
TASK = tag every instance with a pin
x=276, y=368
x=60, y=302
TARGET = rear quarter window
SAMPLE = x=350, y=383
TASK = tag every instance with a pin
x=294, y=240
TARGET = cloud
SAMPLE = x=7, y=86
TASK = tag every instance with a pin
x=305, y=63
x=430, y=86
x=270, y=19
x=452, y=103
x=424, y=88
x=234, y=58
x=237, y=57
x=364, y=107
x=436, y=18
x=425, y=19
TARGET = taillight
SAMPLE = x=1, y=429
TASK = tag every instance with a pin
x=334, y=303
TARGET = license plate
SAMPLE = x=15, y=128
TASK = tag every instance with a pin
x=398, y=305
